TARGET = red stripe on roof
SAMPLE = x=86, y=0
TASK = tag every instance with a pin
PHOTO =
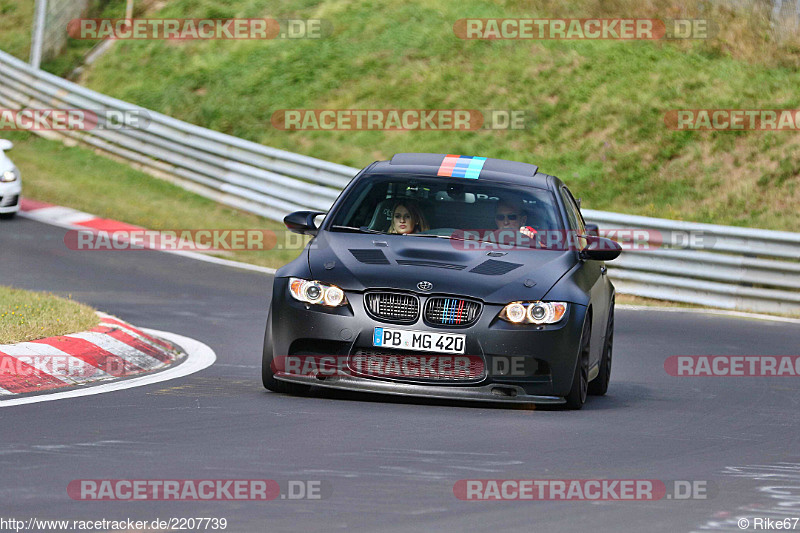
x=447, y=166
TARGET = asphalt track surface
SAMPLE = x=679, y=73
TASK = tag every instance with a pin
x=390, y=463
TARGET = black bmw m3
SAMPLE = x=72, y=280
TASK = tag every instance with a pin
x=446, y=276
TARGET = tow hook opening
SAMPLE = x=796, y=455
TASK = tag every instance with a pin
x=504, y=391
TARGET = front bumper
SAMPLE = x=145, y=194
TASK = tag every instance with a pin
x=9, y=196
x=549, y=353
x=494, y=392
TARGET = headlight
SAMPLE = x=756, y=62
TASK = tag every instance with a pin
x=314, y=292
x=10, y=175
x=534, y=312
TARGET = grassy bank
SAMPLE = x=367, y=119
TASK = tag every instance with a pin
x=599, y=106
x=16, y=26
x=27, y=315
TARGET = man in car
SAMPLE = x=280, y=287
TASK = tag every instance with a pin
x=510, y=215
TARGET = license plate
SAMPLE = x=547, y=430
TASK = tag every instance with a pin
x=423, y=341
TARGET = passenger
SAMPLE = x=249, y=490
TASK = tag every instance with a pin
x=510, y=215
x=407, y=218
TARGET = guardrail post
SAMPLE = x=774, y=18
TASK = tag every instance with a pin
x=37, y=37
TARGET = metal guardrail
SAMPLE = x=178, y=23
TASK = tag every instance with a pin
x=734, y=268
x=244, y=174
x=745, y=269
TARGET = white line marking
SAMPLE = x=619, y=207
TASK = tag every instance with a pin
x=33, y=215
x=198, y=357
x=709, y=311
x=61, y=215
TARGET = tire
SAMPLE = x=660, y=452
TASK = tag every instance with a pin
x=599, y=386
x=580, y=380
x=268, y=376
x=7, y=216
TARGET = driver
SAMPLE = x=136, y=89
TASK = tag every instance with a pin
x=510, y=215
x=407, y=218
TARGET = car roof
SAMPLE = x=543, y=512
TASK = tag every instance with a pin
x=459, y=166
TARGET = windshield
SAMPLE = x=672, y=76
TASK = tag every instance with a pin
x=425, y=206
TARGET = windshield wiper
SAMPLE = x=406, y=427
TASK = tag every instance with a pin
x=451, y=237
x=362, y=229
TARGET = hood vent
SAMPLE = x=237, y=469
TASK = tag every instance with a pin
x=432, y=264
x=370, y=256
x=492, y=267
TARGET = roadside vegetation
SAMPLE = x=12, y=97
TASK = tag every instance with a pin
x=16, y=21
x=77, y=177
x=599, y=106
x=27, y=315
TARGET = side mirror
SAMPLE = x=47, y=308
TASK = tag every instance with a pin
x=593, y=229
x=302, y=222
x=5, y=144
x=600, y=249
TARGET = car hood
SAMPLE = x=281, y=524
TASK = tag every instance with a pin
x=356, y=261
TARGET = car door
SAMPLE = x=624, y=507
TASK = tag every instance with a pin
x=594, y=276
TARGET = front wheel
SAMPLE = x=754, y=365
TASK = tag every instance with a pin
x=599, y=385
x=580, y=380
x=267, y=373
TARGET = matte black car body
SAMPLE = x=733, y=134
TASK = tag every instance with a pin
x=338, y=258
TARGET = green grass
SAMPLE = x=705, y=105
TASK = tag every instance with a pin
x=75, y=49
x=27, y=316
x=16, y=17
x=599, y=105
x=16, y=24
x=79, y=178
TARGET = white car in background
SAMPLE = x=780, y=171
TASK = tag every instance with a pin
x=10, y=183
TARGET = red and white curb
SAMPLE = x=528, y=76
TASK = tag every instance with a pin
x=65, y=366
x=69, y=218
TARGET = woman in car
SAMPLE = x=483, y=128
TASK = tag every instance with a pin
x=407, y=218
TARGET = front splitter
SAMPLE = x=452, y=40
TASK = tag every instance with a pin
x=484, y=393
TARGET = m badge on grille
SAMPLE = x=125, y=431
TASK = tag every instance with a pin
x=424, y=285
